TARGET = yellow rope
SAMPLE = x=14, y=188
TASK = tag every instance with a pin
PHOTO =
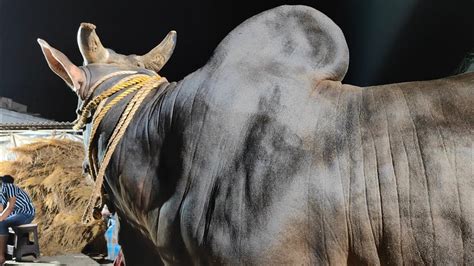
x=101, y=114
x=124, y=83
x=92, y=89
x=92, y=161
x=106, y=77
x=144, y=88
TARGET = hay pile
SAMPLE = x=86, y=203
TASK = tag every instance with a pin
x=50, y=171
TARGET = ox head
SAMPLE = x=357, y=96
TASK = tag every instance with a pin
x=100, y=61
x=93, y=51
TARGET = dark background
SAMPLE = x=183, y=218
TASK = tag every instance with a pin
x=389, y=41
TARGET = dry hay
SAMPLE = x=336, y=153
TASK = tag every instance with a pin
x=50, y=170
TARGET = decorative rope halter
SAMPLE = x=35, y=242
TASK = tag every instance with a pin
x=141, y=84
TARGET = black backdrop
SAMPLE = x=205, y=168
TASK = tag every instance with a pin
x=389, y=41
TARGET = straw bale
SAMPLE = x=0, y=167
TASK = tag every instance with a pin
x=50, y=170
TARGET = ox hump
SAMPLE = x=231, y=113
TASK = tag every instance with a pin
x=287, y=41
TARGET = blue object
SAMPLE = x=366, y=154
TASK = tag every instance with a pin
x=111, y=235
x=14, y=220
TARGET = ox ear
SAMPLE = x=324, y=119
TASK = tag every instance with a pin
x=62, y=66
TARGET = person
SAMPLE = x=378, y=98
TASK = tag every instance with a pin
x=16, y=209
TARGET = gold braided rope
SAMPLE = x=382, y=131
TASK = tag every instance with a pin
x=101, y=113
x=106, y=77
x=91, y=159
x=146, y=87
x=92, y=89
x=124, y=83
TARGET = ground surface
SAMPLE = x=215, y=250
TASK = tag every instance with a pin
x=70, y=260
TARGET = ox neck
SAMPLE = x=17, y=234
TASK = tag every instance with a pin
x=139, y=84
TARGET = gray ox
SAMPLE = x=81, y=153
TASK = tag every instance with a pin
x=263, y=156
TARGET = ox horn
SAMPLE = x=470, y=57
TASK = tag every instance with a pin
x=93, y=51
x=158, y=56
x=90, y=46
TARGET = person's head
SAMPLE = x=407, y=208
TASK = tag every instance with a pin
x=7, y=179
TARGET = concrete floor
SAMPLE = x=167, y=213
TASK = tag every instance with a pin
x=70, y=260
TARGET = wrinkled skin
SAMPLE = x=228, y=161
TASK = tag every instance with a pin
x=263, y=157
